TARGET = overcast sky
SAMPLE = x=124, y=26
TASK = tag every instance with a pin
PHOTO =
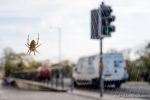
x=18, y=18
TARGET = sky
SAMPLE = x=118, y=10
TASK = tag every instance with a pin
x=18, y=18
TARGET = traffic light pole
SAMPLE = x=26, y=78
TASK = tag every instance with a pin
x=101, y=27
x=101, y=82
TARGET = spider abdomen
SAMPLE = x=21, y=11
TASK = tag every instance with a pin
x=32, y=45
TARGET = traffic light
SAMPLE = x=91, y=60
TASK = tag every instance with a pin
x=101, y=22
x=106, y=19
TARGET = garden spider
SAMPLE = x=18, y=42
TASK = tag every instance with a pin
x=33, y=45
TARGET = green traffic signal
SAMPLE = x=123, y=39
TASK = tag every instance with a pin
x=106, y=19
x=107, y=30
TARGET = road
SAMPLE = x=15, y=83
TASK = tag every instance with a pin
x=130, y=90
x=134, y=88
x=127, y=90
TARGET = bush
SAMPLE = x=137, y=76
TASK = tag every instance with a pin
x=134, y=71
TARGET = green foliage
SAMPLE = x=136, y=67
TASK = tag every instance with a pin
x=134, y=71
x=146, y=63
x=12, y=63
x=17, y=62
x=32, y=65
x=138, y=72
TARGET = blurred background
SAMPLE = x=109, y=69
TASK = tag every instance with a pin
x=64, y=35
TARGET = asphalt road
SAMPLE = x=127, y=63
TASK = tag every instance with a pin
x=130, y=90
x=127, y=90
x=134, y=88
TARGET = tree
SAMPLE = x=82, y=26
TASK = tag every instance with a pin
x=16, y=62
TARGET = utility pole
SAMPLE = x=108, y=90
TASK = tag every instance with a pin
x=61, y=75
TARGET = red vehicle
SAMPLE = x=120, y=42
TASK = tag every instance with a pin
x=43, y=73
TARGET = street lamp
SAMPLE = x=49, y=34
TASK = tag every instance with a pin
x=59, y=56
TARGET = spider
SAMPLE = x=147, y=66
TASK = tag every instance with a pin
x=33, y=45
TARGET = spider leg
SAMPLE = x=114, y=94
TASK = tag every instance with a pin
x=27, y=45
x=37, y=51
x=38, y=45
x=28, y=52
x=28, y=40
x=34, y=52
x=38, y=39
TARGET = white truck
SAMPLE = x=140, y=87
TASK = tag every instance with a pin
x=115, y=73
